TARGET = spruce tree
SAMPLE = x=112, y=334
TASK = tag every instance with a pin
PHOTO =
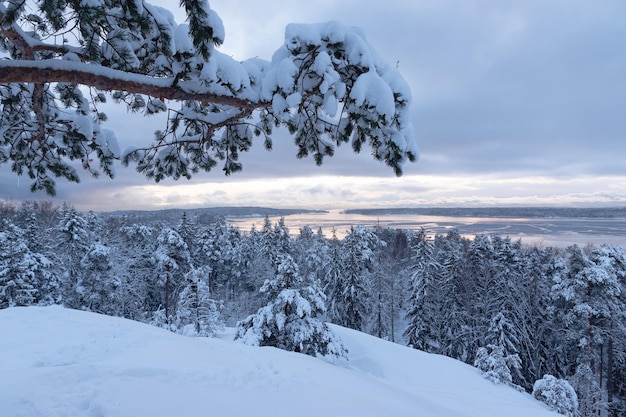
x=423, y=309
x=74, y=242
x=97, y=287
x=17, y=268
x=196, y=312
x=138, y=292
x=332, y=281
x=172, y=259
x=290, y=321
x=498, y=359
x=357, y=258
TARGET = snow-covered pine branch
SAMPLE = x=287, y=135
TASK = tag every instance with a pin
x=326, y=85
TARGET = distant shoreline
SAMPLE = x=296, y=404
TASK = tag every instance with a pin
x=500, y=212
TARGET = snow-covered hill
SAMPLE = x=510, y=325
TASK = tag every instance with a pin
x=60, y=362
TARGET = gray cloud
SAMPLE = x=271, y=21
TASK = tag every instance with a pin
x=504, y=89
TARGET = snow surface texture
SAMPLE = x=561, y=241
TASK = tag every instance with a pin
x=60, y=362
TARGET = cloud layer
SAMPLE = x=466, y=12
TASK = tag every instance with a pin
x=515, y=102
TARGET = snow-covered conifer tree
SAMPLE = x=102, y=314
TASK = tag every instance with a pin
x=535, y=328
x=332, y=281
x=96, y=288
x=391, y=281
x=73, y=246
x=137, y=293
x=17, y=265
x=37, y=237
x=590, y=299
x=453, y=323
x=495, y=364
x=558, y=394
x=351, y=302
x=196, y=312
x=481, y=290
x=95, y=227
x=290, y=321
x=26, y=218
x=423, y=303
x=312, y=251
x=187, y=232
x=499, y=359
x=218, y=247
x=172, y=260
x=274, y=240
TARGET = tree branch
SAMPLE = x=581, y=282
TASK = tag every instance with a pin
x=108, y=79
x=17, y=39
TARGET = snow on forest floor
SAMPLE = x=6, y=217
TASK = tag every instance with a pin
x=61, y=362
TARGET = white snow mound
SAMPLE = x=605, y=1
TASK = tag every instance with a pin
x=61, y=362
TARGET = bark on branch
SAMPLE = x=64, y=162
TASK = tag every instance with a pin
x=17, y=39
x=107, y=79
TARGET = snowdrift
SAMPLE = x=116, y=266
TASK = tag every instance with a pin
x=60, y=362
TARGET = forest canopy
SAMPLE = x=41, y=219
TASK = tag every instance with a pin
x=543, y=319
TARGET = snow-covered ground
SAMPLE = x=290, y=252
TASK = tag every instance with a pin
x=60, y=362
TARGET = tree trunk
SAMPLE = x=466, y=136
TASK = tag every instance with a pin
x=167, y=295
x=609, y=375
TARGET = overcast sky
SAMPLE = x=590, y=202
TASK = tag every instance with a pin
x=514, y=102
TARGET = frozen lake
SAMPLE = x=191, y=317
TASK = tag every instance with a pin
x=560, y=232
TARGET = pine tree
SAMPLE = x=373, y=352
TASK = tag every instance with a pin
x=612, y=356
x=274, y=240
x=561, y=356
x=438, y=302
x=590, y=302
x=51, y=115
x=26, y=218
x=535, y=324
x=95, y=227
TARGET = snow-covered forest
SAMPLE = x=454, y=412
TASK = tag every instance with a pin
x=519, y=313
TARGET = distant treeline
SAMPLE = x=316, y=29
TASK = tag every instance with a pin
x=512, y=212
x=207, y=215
